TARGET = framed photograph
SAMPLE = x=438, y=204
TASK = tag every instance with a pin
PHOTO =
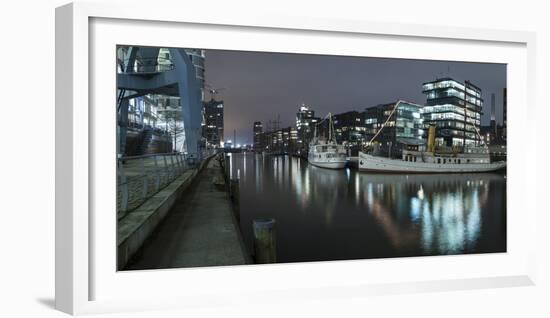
x=286, y=155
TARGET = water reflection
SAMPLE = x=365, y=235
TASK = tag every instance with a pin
x=344, y=214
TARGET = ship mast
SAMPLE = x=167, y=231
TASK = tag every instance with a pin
x=387, y=120
x=330, y=127
x=315, y=132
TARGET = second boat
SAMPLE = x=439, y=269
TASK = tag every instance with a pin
x=326, y=152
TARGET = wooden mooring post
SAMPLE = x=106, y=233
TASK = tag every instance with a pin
x=265, y=247
x=226, y=165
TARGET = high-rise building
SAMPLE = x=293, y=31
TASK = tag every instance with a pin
x=213, y=125
x=404, y=126
x=455, y=109
x=305, y=125
x=258, y=130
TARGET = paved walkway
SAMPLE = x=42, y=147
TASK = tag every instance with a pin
x=200, y=230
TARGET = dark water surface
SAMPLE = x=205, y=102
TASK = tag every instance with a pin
x=326, y=214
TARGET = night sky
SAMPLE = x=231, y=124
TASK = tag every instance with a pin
x=258, y=86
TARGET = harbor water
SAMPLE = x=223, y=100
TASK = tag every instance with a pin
x=325, y=214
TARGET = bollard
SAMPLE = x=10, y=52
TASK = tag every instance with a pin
x=227, y=163
x=265, y=248
x=234, y=192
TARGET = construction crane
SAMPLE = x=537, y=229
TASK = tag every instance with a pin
x=213, y=91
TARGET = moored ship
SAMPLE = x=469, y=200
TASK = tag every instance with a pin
x=476, y=160
x=419, y=157
x=327, y=153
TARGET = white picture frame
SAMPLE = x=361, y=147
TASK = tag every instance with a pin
x=84, y=286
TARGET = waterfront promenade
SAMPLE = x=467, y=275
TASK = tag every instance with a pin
x=199, y=230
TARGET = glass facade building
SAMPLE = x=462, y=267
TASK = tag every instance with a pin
x=349, y=129
x=455, y=109
x=404, y=126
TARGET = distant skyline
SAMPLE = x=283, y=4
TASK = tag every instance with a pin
x=258, y=86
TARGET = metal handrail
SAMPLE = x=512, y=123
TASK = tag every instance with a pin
x=149, y=155
x=134, y=190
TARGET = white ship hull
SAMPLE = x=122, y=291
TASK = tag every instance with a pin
x=329, y=164
x=381, y=164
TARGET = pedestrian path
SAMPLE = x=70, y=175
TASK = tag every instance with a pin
x=200, y=230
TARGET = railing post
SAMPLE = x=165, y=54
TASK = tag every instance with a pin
x=166, y=173
x=227, y=163
x=166, y=168
x=180, y=170
x=157, y=174
x=123, y=188
x=145, y=178
x=172, y=168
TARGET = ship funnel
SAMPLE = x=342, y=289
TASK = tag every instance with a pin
x=431, y=138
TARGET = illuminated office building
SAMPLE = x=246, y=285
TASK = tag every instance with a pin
x=455, y=109
x=349, y=129
x=404, y=126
